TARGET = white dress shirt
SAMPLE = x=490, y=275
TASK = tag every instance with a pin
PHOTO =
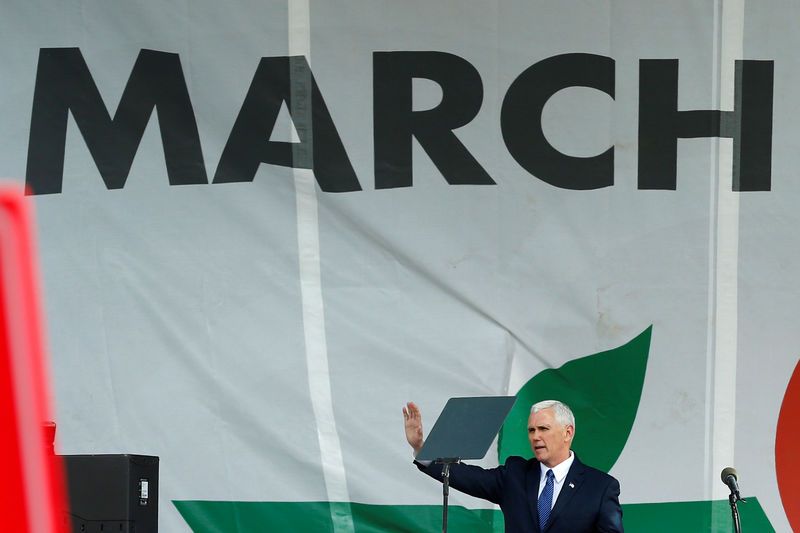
x=559, y=475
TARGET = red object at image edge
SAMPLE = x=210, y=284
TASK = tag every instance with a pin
x=32, y=496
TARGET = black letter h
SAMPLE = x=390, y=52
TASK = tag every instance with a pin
x=661, y=124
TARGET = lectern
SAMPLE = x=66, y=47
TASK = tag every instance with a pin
x=464, y=430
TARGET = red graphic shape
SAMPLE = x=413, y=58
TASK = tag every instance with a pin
x=787, y=450
x=32, y=490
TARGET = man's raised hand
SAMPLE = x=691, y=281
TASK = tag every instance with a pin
x=413, y=420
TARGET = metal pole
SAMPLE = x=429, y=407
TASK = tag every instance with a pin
x=445, y=494
x=737, y=525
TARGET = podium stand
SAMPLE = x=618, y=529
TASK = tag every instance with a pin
x=464, y=430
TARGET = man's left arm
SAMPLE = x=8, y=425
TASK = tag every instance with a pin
x=609, y=519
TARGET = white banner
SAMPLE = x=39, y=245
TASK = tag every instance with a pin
x=264, y=227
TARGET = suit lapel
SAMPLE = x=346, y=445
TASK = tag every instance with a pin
x=572, y=484
x=534, y=477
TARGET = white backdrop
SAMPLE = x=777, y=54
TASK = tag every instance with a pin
x=261, y=337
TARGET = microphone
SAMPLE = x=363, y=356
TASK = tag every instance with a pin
x=730, y=477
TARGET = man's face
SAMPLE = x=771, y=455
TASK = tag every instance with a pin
x=550, y=441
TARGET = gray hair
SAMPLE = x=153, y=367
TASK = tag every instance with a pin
x=563, y=414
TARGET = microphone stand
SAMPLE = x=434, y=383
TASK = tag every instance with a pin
x=733, y=498
x=446, y=462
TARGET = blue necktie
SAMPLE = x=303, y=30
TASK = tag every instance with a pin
x=546, y=500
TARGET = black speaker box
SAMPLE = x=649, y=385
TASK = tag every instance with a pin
x=112, y=493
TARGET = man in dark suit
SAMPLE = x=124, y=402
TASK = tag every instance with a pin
x=553, y=493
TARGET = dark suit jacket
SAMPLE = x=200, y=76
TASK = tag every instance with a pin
x=588, y=501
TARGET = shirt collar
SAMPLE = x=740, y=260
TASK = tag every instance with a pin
x=561, y=469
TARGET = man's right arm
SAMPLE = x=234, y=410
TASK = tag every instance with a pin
x=479, y=482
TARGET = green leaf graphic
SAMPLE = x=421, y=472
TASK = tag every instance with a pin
x=603, y=391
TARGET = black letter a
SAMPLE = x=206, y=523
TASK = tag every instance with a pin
x=278, y=80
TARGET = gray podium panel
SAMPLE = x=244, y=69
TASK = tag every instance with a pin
x=466, y=428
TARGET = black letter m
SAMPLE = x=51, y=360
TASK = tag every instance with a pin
x=64, y=84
